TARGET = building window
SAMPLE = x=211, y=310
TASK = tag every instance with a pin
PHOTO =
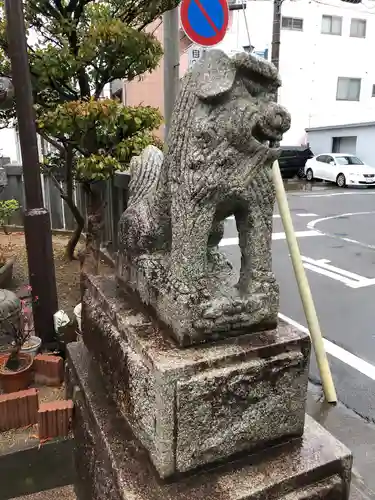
x=331, y=25
x=358, y=28
x=292, y=23
x=348, y=89
x=373, y=91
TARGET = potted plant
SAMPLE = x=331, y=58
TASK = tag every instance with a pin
x=32, y=342
x=7, y=209
x=16, y=365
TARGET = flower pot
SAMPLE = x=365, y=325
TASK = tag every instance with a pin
x=32, y=345
x=17, y=380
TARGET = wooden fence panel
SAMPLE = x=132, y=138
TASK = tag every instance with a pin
x=113, y=191
x=14, y=191
x=119, y=202
x=69, y=221
x=56, y=206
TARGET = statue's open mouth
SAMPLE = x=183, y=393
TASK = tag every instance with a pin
x=266, y=137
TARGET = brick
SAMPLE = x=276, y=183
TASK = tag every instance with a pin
x=49, y=369
x=3, y=412
x=18, y=409
x=54, y=419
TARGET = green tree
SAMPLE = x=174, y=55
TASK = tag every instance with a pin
x=79, y=47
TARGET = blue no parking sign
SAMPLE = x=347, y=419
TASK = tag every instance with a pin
x=205, y=22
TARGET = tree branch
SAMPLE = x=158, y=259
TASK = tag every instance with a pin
x=59, y=6
x=79, y=6
x=51, y=141
x=58, y=186
x=45, y=8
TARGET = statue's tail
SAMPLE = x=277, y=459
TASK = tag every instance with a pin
x=145, y=173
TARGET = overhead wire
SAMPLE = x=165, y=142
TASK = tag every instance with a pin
x=246, y=24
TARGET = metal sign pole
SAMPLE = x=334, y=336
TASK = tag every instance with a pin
x=171, y=25
x=36, y=222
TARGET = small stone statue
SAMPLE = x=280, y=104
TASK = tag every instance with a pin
x=218, y=163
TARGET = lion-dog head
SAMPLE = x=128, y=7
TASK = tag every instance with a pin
x=235, y=125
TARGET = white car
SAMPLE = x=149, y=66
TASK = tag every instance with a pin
x=341, y=168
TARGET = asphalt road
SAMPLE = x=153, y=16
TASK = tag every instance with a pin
x=336, y=235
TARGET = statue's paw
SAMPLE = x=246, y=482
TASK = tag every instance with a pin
x=226, y=307
x=264, y=285
x=261, y=283
x=194, y=291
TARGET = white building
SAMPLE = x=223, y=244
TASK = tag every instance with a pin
x=325, y=59
x=8, y=144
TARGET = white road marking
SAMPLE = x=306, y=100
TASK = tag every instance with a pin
x=311, y=225
x=364, y=283
x=337, y=352
x=325, y=264
x=278, y=216
x=228, y=242
x=329, y=274
x=299, y=234
x=323, y=267
x=275, y=216
x=328, y=195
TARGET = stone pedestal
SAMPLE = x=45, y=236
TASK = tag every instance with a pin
x=223, y=420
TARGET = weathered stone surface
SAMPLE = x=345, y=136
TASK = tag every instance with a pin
x=191, y=407
x=10, y=310
x=112, y=464
x=218, y=163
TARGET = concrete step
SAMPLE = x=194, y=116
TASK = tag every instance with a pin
x=355, y=433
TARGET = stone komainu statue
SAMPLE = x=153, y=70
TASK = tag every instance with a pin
x=218, y=163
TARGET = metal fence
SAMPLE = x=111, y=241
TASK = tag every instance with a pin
x=114, y=193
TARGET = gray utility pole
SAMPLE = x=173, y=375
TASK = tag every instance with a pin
x=171, y=30
x=276, y=26
x=37, y=223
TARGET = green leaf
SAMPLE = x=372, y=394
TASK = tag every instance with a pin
x=77, y=53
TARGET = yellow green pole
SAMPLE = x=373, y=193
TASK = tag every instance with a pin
x=304, y=288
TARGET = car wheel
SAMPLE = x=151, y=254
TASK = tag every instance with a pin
x=341, y=181
x=309, y=175
x=301, y=173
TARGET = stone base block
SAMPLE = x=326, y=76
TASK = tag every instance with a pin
x=111, y=464
x=194, y=406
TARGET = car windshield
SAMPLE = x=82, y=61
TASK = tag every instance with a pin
x=348, y=160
